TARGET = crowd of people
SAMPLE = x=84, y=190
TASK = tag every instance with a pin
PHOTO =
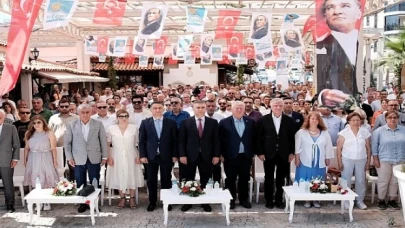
x=138, y=131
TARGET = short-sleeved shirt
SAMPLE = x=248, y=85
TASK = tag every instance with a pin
x=354, y=146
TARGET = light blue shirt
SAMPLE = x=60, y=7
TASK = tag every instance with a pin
x=334, y=125
x=158, y=127
x=240, y=128
x=389, y=144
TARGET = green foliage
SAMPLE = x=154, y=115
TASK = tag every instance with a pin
x=112, y=74
x=239, y=79
x=396, y=55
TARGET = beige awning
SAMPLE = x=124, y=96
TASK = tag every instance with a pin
x=63, y=77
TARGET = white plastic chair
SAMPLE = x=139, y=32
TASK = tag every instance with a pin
x=259, y=176
x=101, y=183
x=18, y=178
x=61, y=166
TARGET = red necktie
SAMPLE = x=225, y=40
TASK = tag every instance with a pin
x=200, y=128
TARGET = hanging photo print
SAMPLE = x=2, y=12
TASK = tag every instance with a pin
x=196, y=19
x=216, y=52
x=139, y=46
x=90, y=45
x=260, y=27
x=152, y=21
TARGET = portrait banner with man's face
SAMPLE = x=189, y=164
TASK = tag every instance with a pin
x=292, y=38
x=338, y=23
x=216, y=52
x=196, y=19
x=152, y=21
x=139, y=46
x=120, y=46
x=260, y=28
x=90, y=45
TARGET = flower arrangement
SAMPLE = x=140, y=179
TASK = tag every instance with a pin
x=191, y=188
x=342, y=190
x=317, y=185
x=64, y=188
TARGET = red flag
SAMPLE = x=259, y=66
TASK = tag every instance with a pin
x=225, y=59
x=307, y=57
x=276, y=52
x=227, y=21
x=23, y=17
x=235, y=43
x=109, y=12
x=250, y=52
x=129, y=59
x=102, y=44
x=160, y=45
x=195, y=50
x=171, y=61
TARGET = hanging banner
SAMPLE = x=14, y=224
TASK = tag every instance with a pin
x=152, y=21
x=234, y=42
x=174, y=54
x=260, y=27
x=17, y=41
x=158, y=61
x=206, y=43
x=101, y=58
x=216, y=52
x=120, y=45
x=143, y=61
x=183, y=45
x=129, y=59
x=227, y=21
x=109, y=12
x=189, y=59
x=139, y=46
x=196, y=19
x=337, y=49
x=159, y=46
x=195, y=50
x=250, y=51
x=58, y=13
x=292, y=38
x=111, y=46
x=90, y=45
x=261, y=48
x=102, y=44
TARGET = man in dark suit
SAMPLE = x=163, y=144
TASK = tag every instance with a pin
x=298, y=119
x=10, y=154
x=237, y=149
x=152, y=21
x=337, y=53
x=276, y=144
x=199, y=146
x=158, y=149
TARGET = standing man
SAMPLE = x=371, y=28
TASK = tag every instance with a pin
x=38, y=109
x=199, y=146
x=158, y=149
x=10, y=154
x=102, y=115
x=391, y=106
x=222, y=108
x=137, y=113
x=276, y=145
x=22, y=124
x=108, y=94
x=288, y=110
x=86, y=147
x=57, y=123
x=332, y=122
x=249, y=112
x=237, y=134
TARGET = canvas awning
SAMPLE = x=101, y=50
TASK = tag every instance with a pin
x=63, y=77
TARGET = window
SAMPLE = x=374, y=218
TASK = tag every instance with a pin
x=375, y=46
x=392, y=23
x=375, y=20
x=397, y=7
x=367, y=21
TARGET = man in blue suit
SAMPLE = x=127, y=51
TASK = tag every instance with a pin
x=158, y=148
x=237, y=134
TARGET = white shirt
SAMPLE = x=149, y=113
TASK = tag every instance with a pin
x=198, y=122
x=277, y=122
x=354, y=147
x=1, y=128
x=218, y=117
x=105, y=97
x=85, y=129
x=225, y=114
x=189, y=110
x=136, y=118
x=107, y=121
x=392, y=96
x=348, y=41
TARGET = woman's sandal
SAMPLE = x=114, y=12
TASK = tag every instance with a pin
x=121, y=204
x=132, y=204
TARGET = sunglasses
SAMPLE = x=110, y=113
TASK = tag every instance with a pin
x=136, y=102
x=102, y=107
x=125, y=116
x=64, y=106
x=37, y=122
x=26, y=113
x=222, y=103
x=168, y=105
x=174, y=102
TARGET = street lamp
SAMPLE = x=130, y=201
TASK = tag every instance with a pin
x=35, y=53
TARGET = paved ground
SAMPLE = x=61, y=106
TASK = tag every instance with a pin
x=258, y=216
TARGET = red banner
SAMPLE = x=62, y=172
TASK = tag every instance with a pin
x=23, y=18
x=195, y=50
x=102, y=44
x=171, y=61
x=227, y=21
x=160, y=45
x=234, y=42
x=129, y=58
x=109, y=12
x=250, y=52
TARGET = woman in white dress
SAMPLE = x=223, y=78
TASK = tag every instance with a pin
x=125, y=170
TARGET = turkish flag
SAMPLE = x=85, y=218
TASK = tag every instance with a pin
x=195, y=50
x=129, y=59
x=102, y=44
x=234, y=41
x=23, y=17
x=250, y=52
x=225, y=59
x=307, y=58
x=159, y=46
x=109, y=12
x=171, y=61
x=276, y=52
x=227, y=21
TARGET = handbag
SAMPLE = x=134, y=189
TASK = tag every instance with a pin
x=373, y=171
x=86, y=190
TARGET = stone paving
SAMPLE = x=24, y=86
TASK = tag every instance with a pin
x=326, y=217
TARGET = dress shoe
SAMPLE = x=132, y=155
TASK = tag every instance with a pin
x=186, y=207
x=169, y=208
x=151, y=207
x=10, y=209
x=82, y=208
x=207, y=207
x=280, y=205
x=245, y=204
x=269, y=205
x=232, y=204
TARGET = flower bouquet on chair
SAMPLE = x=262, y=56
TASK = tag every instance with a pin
x=65, y=188
x=191, y=188
x=317, y=185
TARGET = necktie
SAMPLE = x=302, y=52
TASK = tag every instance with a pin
x=159, y=129
x=200, y=128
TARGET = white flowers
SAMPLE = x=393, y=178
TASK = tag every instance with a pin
x=193, y=189
x=323, y=186
x=189, y=184
x=317, y=181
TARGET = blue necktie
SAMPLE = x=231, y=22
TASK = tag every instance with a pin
x=158, y=128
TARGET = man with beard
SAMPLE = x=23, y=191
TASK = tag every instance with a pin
x=249, y=112
x=222, y=108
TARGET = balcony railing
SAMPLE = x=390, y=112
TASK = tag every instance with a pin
x=393, y=27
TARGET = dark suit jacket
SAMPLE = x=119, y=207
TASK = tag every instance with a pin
x=9, y=145
x=298, y=120
x=334, y=69
x=149, y=141
x=259, y=34
x=267, y=137
x=190, y=144
x=151, y=28
x=292, y=43
x=230, y=138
